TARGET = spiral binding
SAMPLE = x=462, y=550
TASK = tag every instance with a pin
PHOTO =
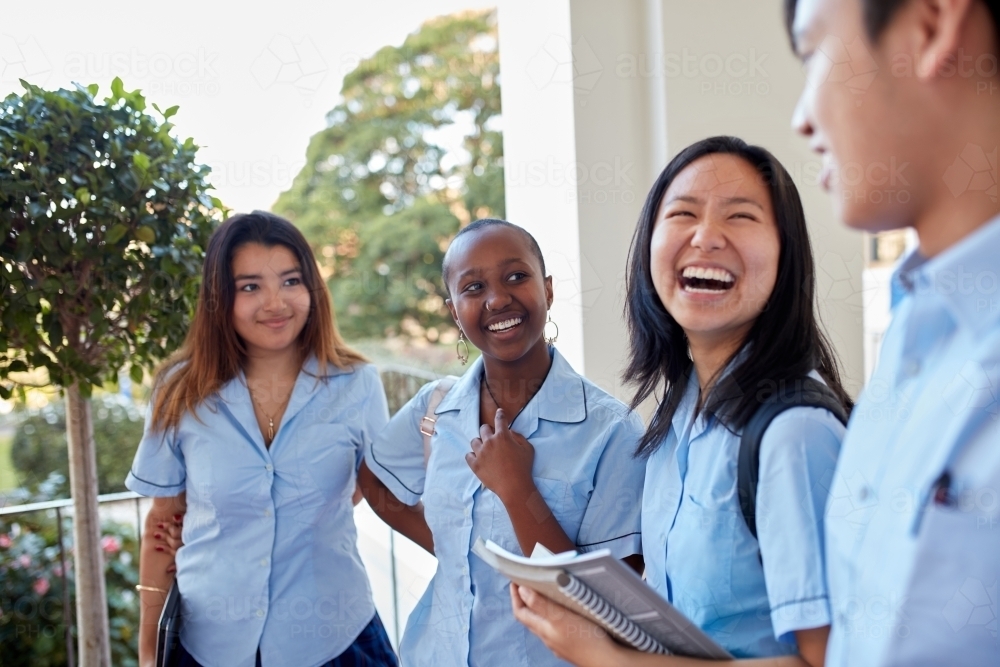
x=599, y=608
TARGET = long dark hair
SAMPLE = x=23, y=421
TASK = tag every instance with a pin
x=787, y=342
x=213, y=353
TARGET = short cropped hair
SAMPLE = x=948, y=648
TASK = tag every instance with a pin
x=492, y=222
x=878, y=13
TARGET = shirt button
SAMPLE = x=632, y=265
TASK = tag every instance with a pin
x=269, y=467
x=260, y=613
x=267, y=512
x=263, y=561
x=912, y=367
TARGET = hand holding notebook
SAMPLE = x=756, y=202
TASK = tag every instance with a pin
x=603, y=589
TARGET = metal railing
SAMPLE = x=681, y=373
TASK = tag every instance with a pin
x=401, y=384
x=58, y=506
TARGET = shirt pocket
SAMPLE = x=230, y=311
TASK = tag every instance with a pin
x=567, y=505
x=951, y=596
x=325, y=456
x=700, y=554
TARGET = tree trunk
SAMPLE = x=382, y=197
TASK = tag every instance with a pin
x=91, y=596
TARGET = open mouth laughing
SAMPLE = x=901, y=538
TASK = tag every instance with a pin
x=505, y=325
x=706, y=280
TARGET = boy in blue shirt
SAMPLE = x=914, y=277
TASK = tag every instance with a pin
x=913, y=524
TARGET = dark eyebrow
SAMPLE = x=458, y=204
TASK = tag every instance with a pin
x=729, y=201
x=474, y=271
x=688, y=198
x=256, y=276
x=467, y=273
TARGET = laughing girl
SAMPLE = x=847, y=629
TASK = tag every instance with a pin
x=525, y=451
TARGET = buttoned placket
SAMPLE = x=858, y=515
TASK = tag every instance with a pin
x=929, y=322
x=473, y=492
x=692, y=428
x=240, y=406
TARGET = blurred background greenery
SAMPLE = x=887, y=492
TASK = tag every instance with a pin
x=412, y=152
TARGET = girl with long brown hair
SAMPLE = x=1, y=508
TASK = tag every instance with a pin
x=255, y=433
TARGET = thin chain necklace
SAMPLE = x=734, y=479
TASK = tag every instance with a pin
x=270, y=419
x=497, y=403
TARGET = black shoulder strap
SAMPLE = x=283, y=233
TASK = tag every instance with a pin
x=805, y=392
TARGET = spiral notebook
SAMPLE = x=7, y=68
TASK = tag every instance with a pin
x=599, y=586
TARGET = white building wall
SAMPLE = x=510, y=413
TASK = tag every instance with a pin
x=596, y=99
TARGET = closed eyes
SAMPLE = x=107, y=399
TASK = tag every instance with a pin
x=689, y=214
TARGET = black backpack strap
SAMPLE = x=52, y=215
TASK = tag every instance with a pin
x=805, y=392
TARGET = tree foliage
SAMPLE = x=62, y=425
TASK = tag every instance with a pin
x=103, y=217
x=380, y=197
x=39, y=446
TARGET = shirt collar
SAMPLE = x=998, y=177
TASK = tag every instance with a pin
x=965, y=277
x=235, y=395
x=685, y=409
x=561, y=397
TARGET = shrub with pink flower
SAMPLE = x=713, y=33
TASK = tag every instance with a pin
x=110, y=544
x=31, y=589
x=41, y=586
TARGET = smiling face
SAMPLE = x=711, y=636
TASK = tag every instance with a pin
x=499, y=295
x=715, y=247
x=272, y=303
x=862, y=120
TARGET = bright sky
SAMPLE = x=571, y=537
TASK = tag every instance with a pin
x=252, y=84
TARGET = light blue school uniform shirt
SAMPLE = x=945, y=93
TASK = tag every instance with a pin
x=583, y=468
x=270, y=556
x=914, y=581
x=749, y=595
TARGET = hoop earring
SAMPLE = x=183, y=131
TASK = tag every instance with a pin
x=554, y=337
x=464, y=358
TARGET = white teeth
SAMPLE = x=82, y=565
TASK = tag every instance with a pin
x=705, y=273
x=506, y=324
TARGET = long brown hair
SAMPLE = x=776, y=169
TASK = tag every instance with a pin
x=213, y=353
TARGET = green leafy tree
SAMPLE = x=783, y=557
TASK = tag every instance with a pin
x=103, y=217
x=379, y=197
x=39, y=446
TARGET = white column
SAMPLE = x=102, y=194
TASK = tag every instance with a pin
x=578, y=149
x=588, y=87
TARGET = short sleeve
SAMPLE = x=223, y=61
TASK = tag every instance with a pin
x=798, y=455
x=158, y=467
x=612, y=518
x=396, y=456
x=374, y=412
